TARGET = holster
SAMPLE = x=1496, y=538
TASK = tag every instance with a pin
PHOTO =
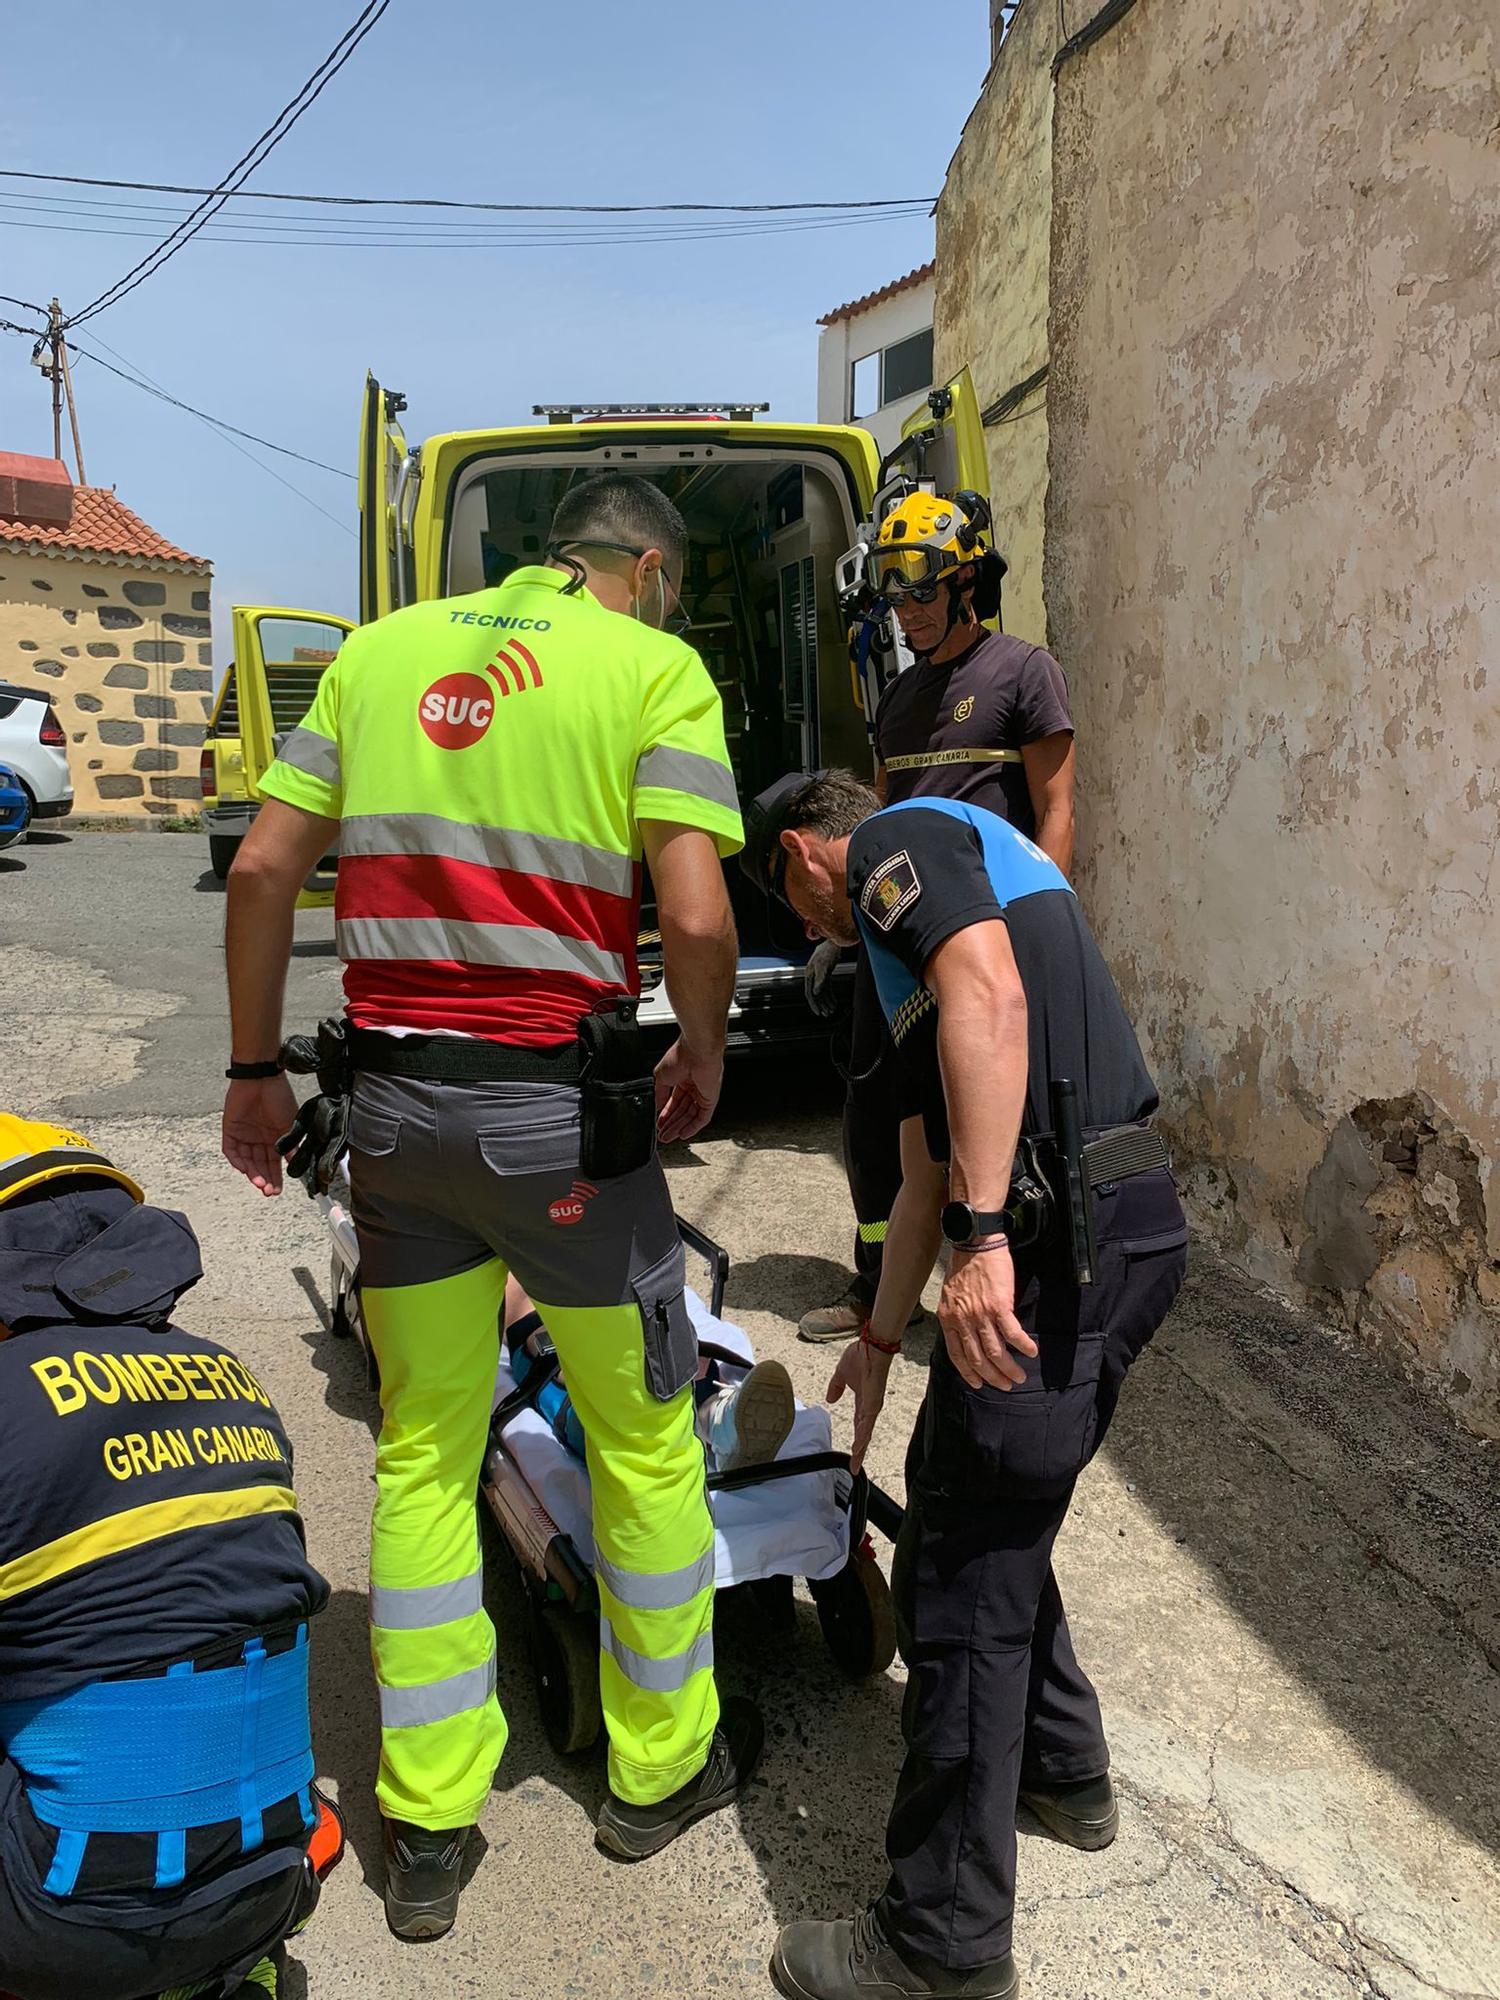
x=617, y=1093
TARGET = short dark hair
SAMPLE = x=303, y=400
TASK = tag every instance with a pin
x=832, y=803
x=621, y=507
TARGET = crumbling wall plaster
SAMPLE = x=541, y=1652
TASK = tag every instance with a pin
x=1274, y=416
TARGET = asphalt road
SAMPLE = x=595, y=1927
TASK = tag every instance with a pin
x=1281, y=1570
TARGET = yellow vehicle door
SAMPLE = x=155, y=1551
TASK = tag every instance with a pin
x=387, y=496
x=280, y=655
x=943, y=443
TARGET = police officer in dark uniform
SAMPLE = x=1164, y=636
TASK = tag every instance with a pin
x=1027, y=1144
x=158, y=1825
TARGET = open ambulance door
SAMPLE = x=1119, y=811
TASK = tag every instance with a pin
x=280, y=655
x=387, y=497
x=942, y=445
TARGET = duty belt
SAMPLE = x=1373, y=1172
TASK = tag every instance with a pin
x=451, y=1059
x=1120, y=1151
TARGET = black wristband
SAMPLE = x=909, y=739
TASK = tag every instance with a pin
x=239, y=1072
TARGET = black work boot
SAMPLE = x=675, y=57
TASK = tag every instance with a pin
x=630, y=1832
x=1083, y=1814
x=422, y=1875
x=850, y=1959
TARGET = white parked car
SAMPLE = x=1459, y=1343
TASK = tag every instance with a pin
x=34, y=745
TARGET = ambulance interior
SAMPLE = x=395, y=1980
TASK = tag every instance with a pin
x=765, y=531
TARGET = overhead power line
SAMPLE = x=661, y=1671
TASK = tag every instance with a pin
x=155, y=389
x=246, y=165
x=493, y=207
x=515, y=236
x=229, y=433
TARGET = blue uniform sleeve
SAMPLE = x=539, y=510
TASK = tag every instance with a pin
x=916, y=877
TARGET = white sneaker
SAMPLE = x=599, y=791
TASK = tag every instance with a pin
x=748, y=1422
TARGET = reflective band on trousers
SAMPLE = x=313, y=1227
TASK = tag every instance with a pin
x=657, y=1676
x=927, y=759
x=432, y=1604
x=491, y=847
x=437, y=1701
x=685, y=771
x=306, y=750
x=667, y=1590
x=525, y=946
x=873, y=1232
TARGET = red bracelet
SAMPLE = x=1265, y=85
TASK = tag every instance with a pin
x=867, y=1339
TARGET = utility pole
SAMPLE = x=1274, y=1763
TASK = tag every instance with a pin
x=62, y=385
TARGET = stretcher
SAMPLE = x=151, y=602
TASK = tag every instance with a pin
x=804, y=1515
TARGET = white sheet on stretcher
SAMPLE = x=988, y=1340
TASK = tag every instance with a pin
x=789, y=1527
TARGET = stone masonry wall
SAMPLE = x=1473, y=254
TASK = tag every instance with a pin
x=994, y=226
x=1271, y=562
x=125, y=653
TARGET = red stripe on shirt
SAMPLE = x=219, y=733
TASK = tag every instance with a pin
x=499, y=1003
x=434, y=885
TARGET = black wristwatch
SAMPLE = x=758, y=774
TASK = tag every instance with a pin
x=963, y=1224
x=253, y=1072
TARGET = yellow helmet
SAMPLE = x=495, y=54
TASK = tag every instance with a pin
x=922, y=540
x=32, y=1152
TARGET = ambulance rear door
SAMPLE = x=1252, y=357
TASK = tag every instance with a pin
x=280, y=655
x=388, y=479
x=942, y=444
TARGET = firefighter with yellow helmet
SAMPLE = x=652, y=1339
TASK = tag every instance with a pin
x=158, y=1824
x=981, y=717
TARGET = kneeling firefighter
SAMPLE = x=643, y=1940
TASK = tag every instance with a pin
x=159, y=1830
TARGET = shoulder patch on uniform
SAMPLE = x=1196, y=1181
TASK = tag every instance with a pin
x=892, y=888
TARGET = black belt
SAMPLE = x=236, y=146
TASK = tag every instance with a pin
x=1115, y=1152
x=451, y=1059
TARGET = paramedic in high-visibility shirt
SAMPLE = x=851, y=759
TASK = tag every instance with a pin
x=496, y=767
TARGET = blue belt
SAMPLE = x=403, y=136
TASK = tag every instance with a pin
x=166, y=1755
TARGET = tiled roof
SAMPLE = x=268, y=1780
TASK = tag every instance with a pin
x=912, y=279
x=104, y=527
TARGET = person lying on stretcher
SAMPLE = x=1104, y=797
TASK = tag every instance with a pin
x=740, y=1423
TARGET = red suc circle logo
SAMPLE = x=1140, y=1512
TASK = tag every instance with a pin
x=567, y=1209
x=457, y=710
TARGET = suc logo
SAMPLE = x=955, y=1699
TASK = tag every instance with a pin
x=457, y=710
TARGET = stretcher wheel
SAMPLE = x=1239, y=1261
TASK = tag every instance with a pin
x=339, y=1323
x=565, y=1655
x=857, y=1616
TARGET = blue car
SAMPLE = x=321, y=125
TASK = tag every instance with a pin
x=15, y=807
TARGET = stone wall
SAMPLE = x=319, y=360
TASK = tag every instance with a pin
x=994, y=223
x=1275, y=421
x=125, y=653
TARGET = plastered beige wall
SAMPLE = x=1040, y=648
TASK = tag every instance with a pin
x=126, y=655
x=1271, y=557
x=993, y=241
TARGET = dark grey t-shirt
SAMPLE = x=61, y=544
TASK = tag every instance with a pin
x=956, y=731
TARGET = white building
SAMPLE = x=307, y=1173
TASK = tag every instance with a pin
x=875, y=357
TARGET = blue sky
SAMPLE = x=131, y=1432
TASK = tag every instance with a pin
x=663, y=101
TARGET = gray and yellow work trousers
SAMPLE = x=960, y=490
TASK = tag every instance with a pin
x=455, y=1184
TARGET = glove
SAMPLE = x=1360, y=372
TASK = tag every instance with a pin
x=825, y=996
x=316, y=1142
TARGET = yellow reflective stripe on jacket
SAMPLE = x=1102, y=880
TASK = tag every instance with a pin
x=136, y=1526
x=926, y=760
